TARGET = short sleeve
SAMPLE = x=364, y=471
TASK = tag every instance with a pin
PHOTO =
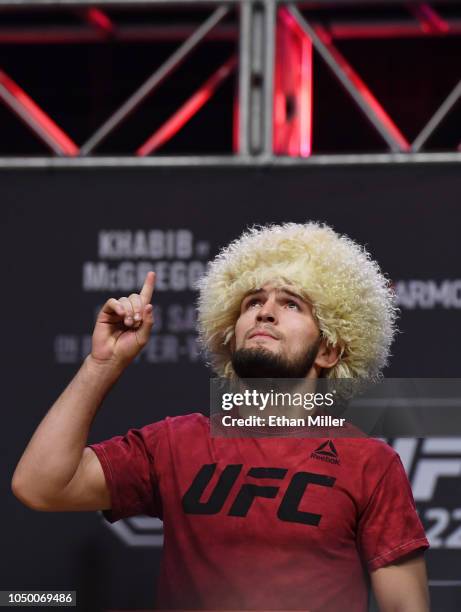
x=389, y=527
x=131, y=467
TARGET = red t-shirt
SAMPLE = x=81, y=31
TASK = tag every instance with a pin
x=263, y=523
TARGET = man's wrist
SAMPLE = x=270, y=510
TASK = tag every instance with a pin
x=109, y=370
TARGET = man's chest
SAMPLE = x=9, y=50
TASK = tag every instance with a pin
x=304, y=498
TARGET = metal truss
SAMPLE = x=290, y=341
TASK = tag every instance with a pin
x=230, y=161
x=267, y=33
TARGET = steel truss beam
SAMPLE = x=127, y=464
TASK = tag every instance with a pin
x=304, y=3
x=437, y=118
x=112, y=3
x=256, y=60
x=35, y=118
x=362, y=95
x=353, y=84
x=191, y=161
x=188, y=109
x=154, y=80
x=85, y=34
x=140, y=32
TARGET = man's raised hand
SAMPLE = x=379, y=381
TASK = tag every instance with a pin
x=123, y=326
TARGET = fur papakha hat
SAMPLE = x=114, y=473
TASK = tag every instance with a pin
x=351, y=299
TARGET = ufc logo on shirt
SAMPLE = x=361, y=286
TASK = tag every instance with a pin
x=288, y=509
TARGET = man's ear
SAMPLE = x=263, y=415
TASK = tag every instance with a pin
x=328, y=355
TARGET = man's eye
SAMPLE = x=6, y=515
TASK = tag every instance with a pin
x=293, y=305
x=253, y=302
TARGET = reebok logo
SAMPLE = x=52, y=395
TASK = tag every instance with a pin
x=326, y=452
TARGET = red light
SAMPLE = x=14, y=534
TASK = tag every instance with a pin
x=99, y=19
x=37, y=119
x=187, y=110
x=292, y=89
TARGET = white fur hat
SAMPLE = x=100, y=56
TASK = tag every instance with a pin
x=352, y=300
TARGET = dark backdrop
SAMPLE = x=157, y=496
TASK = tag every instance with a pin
x=69, y=235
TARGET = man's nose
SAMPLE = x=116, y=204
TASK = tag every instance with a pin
x=267, y=312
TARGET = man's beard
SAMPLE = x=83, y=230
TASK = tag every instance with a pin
x=261, y=363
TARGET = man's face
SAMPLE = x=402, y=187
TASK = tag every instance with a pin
x=276, y=335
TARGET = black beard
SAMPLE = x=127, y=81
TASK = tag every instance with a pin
x=261, y=363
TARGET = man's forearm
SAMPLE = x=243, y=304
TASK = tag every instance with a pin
x=55, y=450
x=402, y=586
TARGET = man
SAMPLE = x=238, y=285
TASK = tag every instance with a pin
x=250, y=523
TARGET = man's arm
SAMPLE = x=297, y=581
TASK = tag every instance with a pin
x=56, y=471
x=402, y=586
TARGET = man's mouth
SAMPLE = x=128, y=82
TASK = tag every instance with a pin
x=262, y=334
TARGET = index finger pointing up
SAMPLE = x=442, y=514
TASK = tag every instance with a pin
x=148, y=288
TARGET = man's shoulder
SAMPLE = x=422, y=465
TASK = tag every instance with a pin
x=194, y=422
x=367, y=450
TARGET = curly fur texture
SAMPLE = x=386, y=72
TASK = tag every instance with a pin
x=351, y=299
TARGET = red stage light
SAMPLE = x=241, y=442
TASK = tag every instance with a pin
x=187, y=110
x=43, y=126
x=292, y=89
